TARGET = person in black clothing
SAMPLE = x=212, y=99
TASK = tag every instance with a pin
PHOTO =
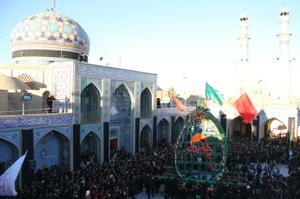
x=50, y=103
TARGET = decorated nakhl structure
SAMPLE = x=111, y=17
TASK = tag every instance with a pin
x=68, y=108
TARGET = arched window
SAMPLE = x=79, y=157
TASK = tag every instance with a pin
x=146, y=104
x=90, y=105
x=145, y=137
x=177, y=128
x=163, y=129
x=121, y=116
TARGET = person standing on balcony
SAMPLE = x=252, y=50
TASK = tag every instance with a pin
x=50, y=100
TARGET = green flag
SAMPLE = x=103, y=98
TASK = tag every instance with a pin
x=212, y=93
x=198, y=103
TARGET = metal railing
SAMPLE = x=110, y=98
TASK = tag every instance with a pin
x=172, y=104
x=19, y=107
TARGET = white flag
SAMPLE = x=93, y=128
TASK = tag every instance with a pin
x=8, y=178
x=113, y=111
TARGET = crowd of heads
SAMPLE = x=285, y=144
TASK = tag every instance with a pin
x=252, y=171
x=255, y=169
x=125, y=175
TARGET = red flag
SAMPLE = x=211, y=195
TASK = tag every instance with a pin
x=245, y=108
x=179, y=104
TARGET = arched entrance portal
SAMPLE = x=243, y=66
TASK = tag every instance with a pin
x=121, y=116
x=146, y=104
x=163, y=129
x=90, y=105
x=145, y=137
x=240, y=129
x=90, y=146
x=52, y=149
x=275, y=128
x=9, y=153
x=177, y=129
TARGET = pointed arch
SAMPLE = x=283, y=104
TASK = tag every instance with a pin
x=52, y=149
x=145, y=138
x=178, y=125
x=90, y=104
x=146, y=104
x=163, y=129
x=274, y=127
x=90, y=145
x=238, y=128
x=121, y=115
x=124, y=85
x=9, y=153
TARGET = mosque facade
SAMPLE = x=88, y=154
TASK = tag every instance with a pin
x=75, y=108
x=99, y=109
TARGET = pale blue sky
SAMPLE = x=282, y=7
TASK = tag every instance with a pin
x=160, y=36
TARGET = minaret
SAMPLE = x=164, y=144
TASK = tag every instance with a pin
x=244, y=37
x=284, y=34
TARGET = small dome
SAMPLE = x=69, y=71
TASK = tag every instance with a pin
x=49, y=31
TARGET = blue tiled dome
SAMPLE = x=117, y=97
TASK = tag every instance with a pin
x=49, y=30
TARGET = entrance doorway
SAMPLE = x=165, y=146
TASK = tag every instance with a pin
x=113, y=146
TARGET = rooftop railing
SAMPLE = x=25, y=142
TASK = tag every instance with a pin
x=19, y=107
x=172, y=104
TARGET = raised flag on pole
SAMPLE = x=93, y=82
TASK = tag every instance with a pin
x=8, y=178
x=245, y=107
x=179, y=104
x=212, y=93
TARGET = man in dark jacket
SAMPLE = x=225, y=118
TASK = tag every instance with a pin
x=50, y=103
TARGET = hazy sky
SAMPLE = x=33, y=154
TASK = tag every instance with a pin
x=185, y=42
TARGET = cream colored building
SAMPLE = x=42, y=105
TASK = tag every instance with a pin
x=272, y=85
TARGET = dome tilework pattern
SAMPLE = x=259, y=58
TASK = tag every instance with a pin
x=49, y=30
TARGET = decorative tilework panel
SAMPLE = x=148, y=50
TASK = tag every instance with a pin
x=11, y=136
x=34, y=121
x=87, y=128
x=61, y=81
x=86, y=81
x=86, y=69
x=145, y=122
x=116, y=83
x=147, y=85
x=41, y=132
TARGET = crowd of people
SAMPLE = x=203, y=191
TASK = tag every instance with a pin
x=256, y=167
x=125, y=175
x=253, y=171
